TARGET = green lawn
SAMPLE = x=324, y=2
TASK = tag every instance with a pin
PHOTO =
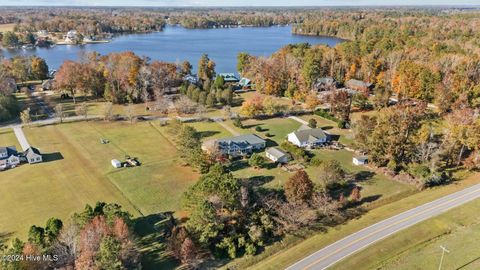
x=78, y=171
x=418, y=247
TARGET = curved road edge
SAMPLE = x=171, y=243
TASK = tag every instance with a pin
x=355, y=242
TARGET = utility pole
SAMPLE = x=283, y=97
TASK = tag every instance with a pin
x=444, y=249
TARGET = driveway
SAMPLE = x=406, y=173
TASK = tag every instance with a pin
x=21, y=137
x=345, y=247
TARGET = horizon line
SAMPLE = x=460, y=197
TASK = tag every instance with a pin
x=256, y=6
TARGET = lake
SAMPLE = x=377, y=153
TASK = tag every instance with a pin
x=176, y=43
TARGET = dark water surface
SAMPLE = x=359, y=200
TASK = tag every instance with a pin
x=178, y=44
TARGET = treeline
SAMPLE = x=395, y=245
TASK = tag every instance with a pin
x=18, y=69
x=422, y=68
x=217, y=18
x=117, y=77
x=99, y=237
x=87, y=21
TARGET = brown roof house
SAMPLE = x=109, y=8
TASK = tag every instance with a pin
x=360, y=86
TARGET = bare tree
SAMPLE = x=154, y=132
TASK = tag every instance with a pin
x=129, y=112
x=59, y=113
x=108, y=111
x=25, y=116
x=82, y=110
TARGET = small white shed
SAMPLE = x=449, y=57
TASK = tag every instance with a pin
x=277, y=155
x=116, y=163
x=360, y=160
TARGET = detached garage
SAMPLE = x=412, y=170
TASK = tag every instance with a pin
x=277, y=155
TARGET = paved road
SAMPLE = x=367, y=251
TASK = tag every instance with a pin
x=21, y=137
x=341, y=249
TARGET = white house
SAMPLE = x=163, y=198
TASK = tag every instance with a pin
x=277, y=155
x=308, y=137
x=360, y=160
x=8, y=157
x=33, y=155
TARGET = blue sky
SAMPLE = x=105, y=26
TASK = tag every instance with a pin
x=235, y=2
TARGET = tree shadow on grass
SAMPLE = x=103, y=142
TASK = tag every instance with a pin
x=251, y=126
x=238, y=165
x=206, y=134
x=152, y=231
x=327, y=127
x=49, y=157
x=364, y=176
x=271, y=143
x=260, y=180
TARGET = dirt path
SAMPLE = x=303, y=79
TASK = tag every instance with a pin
x=227, y=127
x=301, y=121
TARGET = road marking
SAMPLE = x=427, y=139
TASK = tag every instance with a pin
x=387, y=227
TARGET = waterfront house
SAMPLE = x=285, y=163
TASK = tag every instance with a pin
x=229, y=77
x=235, y=146
x=359, y=86
x=71, y=37
x=276, y=154
x=324, y=84
x=308, y=137
x=245, y=83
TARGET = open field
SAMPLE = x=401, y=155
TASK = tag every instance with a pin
x=295, y=248
x=7, y=138
x=6, y=27
x=78, y=171
x=418, y=247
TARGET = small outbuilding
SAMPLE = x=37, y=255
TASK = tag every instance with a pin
x=33, y=155
x=116, y=163
x=229, y=77
x=360, y=160
x=277, y=155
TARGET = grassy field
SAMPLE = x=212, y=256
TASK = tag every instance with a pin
x=418, y=247
x=280, y=257
x=6, y=27
x=78, y=171
x=7, y=138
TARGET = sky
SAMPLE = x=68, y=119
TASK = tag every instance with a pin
x=161, y=3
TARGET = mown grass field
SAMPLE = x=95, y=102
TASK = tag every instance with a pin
x=418, y=247
x=78, y=171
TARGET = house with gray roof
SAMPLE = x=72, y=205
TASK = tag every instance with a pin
x=324, y=84
x=235, y=146
x=229, y=77
x=276, y=154
x=33, y=155
x=308, y=137
x=8, y=157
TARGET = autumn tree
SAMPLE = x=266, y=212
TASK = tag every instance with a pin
x=299, y=188
x=206, y=68
x=256, y=160
x=330, y=174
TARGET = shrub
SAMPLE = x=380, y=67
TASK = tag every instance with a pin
x=237, y=122
x=315, y=161
x=312, y=123
x=258, y=129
